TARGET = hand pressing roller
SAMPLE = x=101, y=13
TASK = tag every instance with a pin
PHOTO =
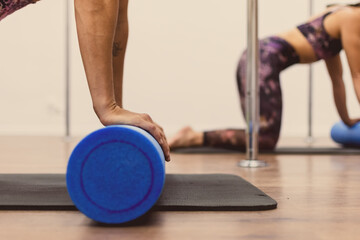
x=345, y=135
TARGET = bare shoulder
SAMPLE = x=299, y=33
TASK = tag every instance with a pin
x=350, y=17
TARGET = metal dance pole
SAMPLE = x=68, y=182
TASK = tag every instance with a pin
x=310, y=138
x=67, y=70
x=252, y=89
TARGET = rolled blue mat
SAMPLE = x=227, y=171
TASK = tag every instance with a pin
x=345, y=135
x=116, y=174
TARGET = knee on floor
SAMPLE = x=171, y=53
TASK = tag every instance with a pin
x=268, y=142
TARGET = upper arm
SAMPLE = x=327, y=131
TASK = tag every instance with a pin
x=350, y=37
x=334, y=68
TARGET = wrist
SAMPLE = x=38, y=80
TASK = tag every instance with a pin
x=348, y=122
x=119, y=102
x=104, y=107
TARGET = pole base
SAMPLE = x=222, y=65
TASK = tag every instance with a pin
x=309, y=140
x=252, y=164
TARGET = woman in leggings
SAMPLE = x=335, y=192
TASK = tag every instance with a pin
x=321, y=38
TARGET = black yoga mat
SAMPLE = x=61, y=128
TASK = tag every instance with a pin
x=279, y=150
x=182, y=192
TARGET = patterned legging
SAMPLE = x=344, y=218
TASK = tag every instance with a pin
x=275, y=55
x=7, y=7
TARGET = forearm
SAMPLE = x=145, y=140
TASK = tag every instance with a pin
x=340, y=101
x=356, y=82
x=119, y=49
x=95, y=21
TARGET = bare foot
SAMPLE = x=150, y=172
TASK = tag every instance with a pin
x=186, y=137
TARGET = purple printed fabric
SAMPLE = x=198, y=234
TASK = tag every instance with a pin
x=323, y=44
x=276, y=54
x=7, y=7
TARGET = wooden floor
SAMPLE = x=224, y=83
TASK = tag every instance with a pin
x=318, y=198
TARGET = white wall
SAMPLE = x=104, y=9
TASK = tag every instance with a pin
x=31, y=70
x=180, y=67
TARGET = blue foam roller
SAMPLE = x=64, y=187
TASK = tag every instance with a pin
x=345, y=135
x=116, y=174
